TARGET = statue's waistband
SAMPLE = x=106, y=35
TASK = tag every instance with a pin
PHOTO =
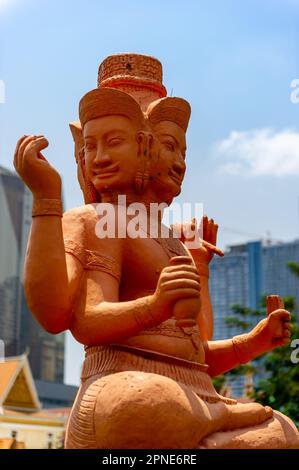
x=101, y=361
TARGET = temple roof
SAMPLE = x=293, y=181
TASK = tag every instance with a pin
x=17, y=388
x=11, y=443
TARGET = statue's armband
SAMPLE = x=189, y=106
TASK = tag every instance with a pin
x=93, y=260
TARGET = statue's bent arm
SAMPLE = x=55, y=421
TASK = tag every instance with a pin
x=52, y=283
x=269, y=333
x=220, y=356
x=99, y=317
x=205, y=318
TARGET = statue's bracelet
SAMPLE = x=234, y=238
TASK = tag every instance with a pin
x=242, y=348
x=47, y=207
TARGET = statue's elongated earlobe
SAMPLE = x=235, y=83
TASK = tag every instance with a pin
x=89, y=191
x=77, y=134
x=145, y=143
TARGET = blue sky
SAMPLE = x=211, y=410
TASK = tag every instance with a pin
x=232, y=60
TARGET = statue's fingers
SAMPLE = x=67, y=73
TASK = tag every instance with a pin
x=209, y=237
x=287, y=325
x=281, y=341
x=41, y=157
x=280, y=314
x=35, y=146
x=22, y=147
x=181, y=275
x=186, y=293
x=39, y=154
x=204, y=226
x=189, y=232
x=286, y=333
x=181, y=284
x=214, y=234
x=16, y=154
x=177, y=260
x=181, y=267
x=193, y=225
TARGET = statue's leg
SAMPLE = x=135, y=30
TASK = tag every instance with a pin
x=80, y=431
x=278, y=432
x=241, y=415
x=145, y=410
x=140, y=410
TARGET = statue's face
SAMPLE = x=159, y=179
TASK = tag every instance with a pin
x=170, y=169
x=111, y=149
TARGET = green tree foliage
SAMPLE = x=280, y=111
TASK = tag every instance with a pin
x=280, y=386
x=294, y=267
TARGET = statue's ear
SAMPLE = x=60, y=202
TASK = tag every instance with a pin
x=89, y=191
x=145, y=143
x=77, y=134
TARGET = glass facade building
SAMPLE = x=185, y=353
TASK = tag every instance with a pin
x=245, y=274
x=18, y=328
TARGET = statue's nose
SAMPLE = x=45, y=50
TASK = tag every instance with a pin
x=102, y=158
x=179, y=167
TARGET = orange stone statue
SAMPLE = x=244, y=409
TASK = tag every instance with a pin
x=136, y=299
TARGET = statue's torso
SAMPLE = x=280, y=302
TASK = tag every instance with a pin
x=142, y=262
x=142, y=265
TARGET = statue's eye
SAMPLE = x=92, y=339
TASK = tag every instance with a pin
x=89, y=146
x=169, y=145
x=115, y=141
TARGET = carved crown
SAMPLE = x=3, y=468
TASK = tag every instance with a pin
x=135, y=70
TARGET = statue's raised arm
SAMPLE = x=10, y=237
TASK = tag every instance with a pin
x=49, y=280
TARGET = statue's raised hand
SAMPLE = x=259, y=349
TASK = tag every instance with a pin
x=273, y=331
x=36, y=172
x=201, y=241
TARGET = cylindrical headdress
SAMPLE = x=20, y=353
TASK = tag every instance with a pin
x=107, y=102
x=138, y=75
x=176, y=110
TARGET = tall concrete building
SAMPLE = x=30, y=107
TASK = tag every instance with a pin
x=235, y=279
x=276, y=276
x=13, y=231
x=243, y=276
x=18, y=329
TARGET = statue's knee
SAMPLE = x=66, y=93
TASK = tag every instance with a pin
x=136, y=409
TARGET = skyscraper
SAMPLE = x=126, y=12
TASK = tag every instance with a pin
x=276, y=277
x=18, y=328
x=12, y=235
x=243, y=276
x=235, y=279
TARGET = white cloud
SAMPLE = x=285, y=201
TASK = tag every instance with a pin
x=260, y=152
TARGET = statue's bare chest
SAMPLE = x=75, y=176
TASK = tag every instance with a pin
x=143, y=261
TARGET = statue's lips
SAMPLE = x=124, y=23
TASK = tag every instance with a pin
x=175, y=178
x=107, y=172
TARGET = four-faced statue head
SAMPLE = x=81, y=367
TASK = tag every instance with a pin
x=120, y=150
